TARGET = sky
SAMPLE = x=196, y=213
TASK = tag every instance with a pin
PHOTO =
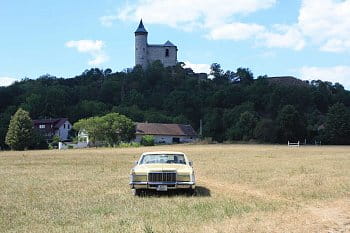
x=308, y=39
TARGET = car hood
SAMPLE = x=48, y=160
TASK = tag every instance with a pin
x=179, y=168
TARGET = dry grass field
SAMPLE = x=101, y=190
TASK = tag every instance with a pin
x=242, y=188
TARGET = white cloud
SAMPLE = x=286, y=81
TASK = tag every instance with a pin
x=107, y=20
x=98, y=59
x=198, y=68
x=188, y=13
x=7, y=81
x=340, y=74
x=236, y=31
x=326, y=23
x=92, y=47
x=336, y=45
x=283, y=37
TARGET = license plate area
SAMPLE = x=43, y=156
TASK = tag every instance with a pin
x=162, y=188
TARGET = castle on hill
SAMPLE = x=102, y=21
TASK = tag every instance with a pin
x=146, y=53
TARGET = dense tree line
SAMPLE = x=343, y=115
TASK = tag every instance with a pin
x=233, y=104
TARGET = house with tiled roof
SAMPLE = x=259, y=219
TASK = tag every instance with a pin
x=51, y=127
x=166, y=133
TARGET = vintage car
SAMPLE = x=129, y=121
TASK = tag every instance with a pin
x=162, y=171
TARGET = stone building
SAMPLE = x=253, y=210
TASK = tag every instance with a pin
x=147, y=53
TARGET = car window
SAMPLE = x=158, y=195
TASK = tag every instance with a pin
x=163, y=158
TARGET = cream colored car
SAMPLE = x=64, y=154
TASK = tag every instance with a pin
x=162, y=171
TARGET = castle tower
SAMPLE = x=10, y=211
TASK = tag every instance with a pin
x=141, y=46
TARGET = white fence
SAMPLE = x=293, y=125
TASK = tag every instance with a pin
x=294, y=144
x=65, y=146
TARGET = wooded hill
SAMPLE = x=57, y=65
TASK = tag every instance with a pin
x=233, y=105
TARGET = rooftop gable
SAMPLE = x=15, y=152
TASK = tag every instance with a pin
x=56, y=122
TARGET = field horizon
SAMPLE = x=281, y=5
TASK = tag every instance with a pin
x=241, y=188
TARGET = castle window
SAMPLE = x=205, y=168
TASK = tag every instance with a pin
x=167, y=52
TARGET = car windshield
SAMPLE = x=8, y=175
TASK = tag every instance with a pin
x=163, y=158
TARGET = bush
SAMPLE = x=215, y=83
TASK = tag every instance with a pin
x=147, y=140
x=131, y=144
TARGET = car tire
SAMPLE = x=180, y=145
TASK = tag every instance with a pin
x=136, y=192
x=191, y=192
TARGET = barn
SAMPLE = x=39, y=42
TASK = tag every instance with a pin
x=166, y=133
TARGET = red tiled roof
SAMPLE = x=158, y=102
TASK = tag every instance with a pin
x=164, y=129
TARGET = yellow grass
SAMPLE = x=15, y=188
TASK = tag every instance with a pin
x=242, y=188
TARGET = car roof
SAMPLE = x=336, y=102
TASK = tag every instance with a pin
x=163, y=152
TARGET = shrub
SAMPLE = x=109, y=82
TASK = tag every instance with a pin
x=131, y=144
x=20, y=132
x=147, y=140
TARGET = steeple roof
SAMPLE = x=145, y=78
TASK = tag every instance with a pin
x=169, y=44
x=141, y=29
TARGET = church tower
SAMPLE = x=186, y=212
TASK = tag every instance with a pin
x=141, y=46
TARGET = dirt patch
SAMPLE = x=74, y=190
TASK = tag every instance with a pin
x=335, y=216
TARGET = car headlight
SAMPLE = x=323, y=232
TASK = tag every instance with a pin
x=138, y=178
x=185, y=178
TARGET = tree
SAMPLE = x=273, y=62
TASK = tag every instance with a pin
x=20, y=132
x=92, y=126
x=244, y=129
x=112, y=128
x=215, y=70
x=291, y=125
x=245, y=76
x=337, y=128
x=265, y=131
x=117, y=128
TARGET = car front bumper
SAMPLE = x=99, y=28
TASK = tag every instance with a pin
x=154, y=185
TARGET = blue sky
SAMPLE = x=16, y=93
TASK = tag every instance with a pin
x=309, y=39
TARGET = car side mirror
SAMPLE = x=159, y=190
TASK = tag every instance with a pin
x=135, y=163
x=190, y=163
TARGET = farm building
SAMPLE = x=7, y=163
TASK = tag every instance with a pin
x=166, y=133
x=51, y=127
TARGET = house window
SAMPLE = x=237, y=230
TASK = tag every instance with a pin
x=68, y=126
x=64, y=126
x=41, y=126
x=167, y=52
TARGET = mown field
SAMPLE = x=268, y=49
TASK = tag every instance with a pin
x=242, y=188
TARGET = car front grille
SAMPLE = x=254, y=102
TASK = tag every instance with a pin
x=162, y=177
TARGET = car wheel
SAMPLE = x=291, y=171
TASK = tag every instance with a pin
x=136, y=192
x=191, y=192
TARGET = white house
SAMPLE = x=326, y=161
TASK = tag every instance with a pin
x=166, y=133
x=51, y=127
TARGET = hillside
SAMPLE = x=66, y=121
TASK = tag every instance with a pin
x=232, y=105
